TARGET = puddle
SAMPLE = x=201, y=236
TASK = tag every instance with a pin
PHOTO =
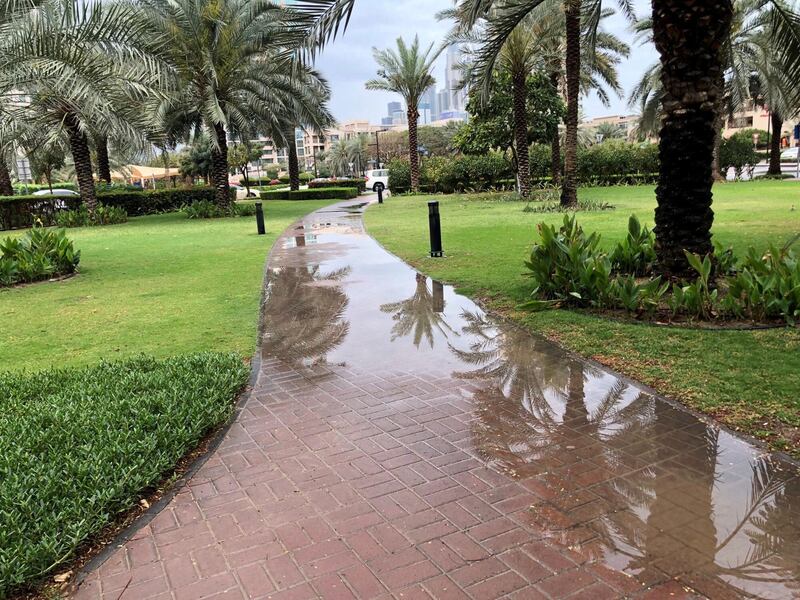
x=627, y=479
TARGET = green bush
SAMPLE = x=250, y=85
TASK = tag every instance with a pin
x=636, y=254
x=767, y=285
x=305, y=177
x=205, y=209
x=617, y=162
x=440, y=174
x=79, y=446
x=737, y=152
x=18, y=212
x=81, y=217
x=361, y=184
x=39, y=254
x=345, y=193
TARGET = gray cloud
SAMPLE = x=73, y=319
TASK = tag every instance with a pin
x=348, y=62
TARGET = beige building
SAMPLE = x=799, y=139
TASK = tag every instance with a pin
x=760, y=118
x=627, y=123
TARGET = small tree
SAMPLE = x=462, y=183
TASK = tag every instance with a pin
x=240, y=156
x=492, y=126
x=45, y=160
x=737, y=152
x=196, y=160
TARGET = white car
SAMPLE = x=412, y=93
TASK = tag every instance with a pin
x=241, y=192
x=378, y=179
x=56, y=192
x=789, y=154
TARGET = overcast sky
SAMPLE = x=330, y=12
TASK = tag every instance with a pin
x=348, y=62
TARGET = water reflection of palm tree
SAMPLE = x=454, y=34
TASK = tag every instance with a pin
x=304, y=314
x=421, y=314
x=535, y=415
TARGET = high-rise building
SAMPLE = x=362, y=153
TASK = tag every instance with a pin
x=442, y=102
x=393, y=107
x=428, y=102
x=453, y=77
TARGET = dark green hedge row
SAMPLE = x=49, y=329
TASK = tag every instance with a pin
x=23, y=211
x=255, y=181
x=361, y=184
x=609, y=163
x=345, y=193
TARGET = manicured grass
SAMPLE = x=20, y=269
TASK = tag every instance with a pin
x=77, y=446
x=748, y=379
x=160, y=285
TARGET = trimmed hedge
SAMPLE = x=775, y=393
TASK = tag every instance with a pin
x=341, y=193
x=361, y=184
x=610, y=163
x=18, y=212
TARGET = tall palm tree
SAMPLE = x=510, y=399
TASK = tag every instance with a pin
x=691, y=41
x=581, y=18
x=236, y=63
x=406, y=71
x=76, y=65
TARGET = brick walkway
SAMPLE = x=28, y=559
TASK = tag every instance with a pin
x=374, y=461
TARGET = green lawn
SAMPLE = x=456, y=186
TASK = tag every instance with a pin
x=748, y=379
x=160, y=285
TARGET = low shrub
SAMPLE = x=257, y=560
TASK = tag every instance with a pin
x=554, y=206
x=19, y=212
x=636, y=254
x=269, y=188
x=446, y=175
x=569, y=269
x=78, y=447
x=81, y=217
x=617, y=162
x=361, y=184
x=304, y=178
x=737, y=153
x=205, y=209
x=39, y=254
x=345, y=193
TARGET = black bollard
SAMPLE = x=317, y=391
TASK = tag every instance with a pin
x=260, y=219
x=436, y=229
x=380, y=194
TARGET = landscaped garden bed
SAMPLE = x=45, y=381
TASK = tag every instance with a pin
x=747, y=378
x=79, y=447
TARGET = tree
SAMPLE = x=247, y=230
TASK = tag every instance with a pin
x=240, y=156
x=406, y=71
x=238, y=64
x=609, y=131
x=498, y=21
x=81, y=66
x=492, y=125
x=196, y=161
x=45, y=159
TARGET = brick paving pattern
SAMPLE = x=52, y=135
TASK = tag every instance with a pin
x=403, y=478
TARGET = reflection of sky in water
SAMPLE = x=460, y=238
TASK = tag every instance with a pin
x=669, y=496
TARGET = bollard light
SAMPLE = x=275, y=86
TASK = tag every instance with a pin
x=436, y=229
x=260, y=219
x=380, y=194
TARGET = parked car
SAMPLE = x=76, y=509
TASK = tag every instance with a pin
x=241, y=192
x=56, y=192
x=790, y=154
x=378, y=179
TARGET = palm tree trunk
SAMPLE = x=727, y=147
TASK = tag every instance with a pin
x=413, y=151
x=219, y=168
x=719, y=124
x=294, y=165
x=555, y=154
x=6, y=189
x=688, y=38
x=521, y=132
x=79, y=146
x=103, y=164
x=569, y=190
x=775, y=145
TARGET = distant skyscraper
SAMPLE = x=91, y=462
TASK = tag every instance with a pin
x=428, y=101
x=393, y=107
x=442, y=102
x=453, y=77
x=386, y=121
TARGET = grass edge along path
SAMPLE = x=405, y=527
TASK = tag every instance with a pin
x=748, y=380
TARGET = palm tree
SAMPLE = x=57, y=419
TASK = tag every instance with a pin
x=420, y=315
x=406, y=71
x=236, y=63
x=500, y=19
x=77, y=65
x=692, y=44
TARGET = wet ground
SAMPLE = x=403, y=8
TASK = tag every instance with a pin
x=400, y=443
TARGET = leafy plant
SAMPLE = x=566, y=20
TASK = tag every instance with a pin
x=697, y=299
x=567, y=267
x=554, y=206
x=81, y=217
x=78, y=447
x=636, y=254
x=767, y=286
x=40, y=254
